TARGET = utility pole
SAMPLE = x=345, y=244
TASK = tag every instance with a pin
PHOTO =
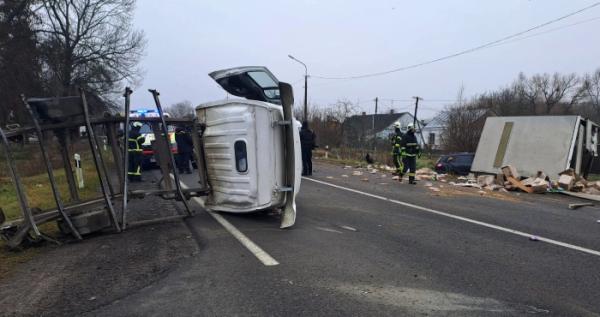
x=417, y=124
x=373, y=124
x=417, y=98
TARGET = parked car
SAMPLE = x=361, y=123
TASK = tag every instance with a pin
x=457, y=163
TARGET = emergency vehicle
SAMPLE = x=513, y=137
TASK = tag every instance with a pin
x=149, y=159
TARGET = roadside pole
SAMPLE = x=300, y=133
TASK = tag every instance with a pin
x=78, y=170
x=373, y=123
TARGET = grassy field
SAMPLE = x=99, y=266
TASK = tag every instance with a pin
x=39, y=194
x=39, y=191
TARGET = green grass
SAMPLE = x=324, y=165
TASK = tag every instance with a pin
x=39, y=191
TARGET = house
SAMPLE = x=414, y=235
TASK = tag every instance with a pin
x=360, y=129
x=433, y=129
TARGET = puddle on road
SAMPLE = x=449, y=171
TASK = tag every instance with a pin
x=428, y=301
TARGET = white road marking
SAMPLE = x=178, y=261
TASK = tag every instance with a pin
x=445, y=214
x=328, y=230
x=258, y=252
x=348, y=228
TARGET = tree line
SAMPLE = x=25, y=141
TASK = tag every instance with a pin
x=53, y=47
x=539, y=94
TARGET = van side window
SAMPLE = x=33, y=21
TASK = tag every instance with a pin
x=241, y=157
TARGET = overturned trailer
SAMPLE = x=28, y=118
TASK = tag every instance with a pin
x=537, y=143
x=245, y=150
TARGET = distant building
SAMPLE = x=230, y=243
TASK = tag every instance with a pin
x=359, y=130
x=433, y=129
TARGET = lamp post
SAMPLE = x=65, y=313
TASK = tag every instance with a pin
x=305, y=86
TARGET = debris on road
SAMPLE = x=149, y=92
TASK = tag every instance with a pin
x=534, y=238
x=344, y=175
x=579, y=205
x=357, y=173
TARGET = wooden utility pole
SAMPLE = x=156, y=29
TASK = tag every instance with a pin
x=417, y=98
x=373, y=123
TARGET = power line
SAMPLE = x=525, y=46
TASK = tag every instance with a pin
x=467, y=51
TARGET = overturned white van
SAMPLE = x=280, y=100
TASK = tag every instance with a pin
x=251, y=146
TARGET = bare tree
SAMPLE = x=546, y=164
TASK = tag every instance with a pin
x=544, y=91
x=89, y=43
x=182, y=109
x=591, y=88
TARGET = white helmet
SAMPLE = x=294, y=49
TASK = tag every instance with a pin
x=410, y=126
x=137, y=124
x=397, y=125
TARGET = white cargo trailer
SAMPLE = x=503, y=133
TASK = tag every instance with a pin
x=537, y=143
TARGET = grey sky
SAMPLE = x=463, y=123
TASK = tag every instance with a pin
x=190, y=38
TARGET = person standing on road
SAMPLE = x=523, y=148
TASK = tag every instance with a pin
x=185, y=148
x=410, y=149
x=307, y=143
x=134, y=149
x=397, y=149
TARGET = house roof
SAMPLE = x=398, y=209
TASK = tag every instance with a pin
x=438, y=121
x=365, y=122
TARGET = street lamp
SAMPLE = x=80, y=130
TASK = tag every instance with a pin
x=305, y=86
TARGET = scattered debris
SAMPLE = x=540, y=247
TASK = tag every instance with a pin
x=357, y=173
x=396, y=177
x=329, y=177
x=434, y=189
x=364, y=179
x=509, y=171
x=534, y=238
x=344, y=175
x=579, y=205
x=347, y=167
x=481, y=192
x=428, y=184
x=425, y=174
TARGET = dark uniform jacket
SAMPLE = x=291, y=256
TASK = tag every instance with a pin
x=410, y=144
x=397, y=143
x=307, y=139
x=135, y=140
x=184, y=142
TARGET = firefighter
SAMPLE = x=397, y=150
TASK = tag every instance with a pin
x=410, y=150
x=134, y=148
x=307, y=145
x=396, y=148
x=185, y=147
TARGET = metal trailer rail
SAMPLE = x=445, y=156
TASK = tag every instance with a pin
x=58, y=116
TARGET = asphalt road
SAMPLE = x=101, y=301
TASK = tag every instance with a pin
x=352, y=252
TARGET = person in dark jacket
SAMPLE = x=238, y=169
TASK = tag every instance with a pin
x=307, y=143
x=134, y=149
x=410, y=151
x=397, y=149
x=185, y=149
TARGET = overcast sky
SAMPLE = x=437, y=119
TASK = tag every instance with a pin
x=187, y=39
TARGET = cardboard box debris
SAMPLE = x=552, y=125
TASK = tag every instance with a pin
x=566, y=181
x=509, y=171
x=486, y=180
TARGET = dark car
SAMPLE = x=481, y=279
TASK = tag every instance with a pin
x=458, y=163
